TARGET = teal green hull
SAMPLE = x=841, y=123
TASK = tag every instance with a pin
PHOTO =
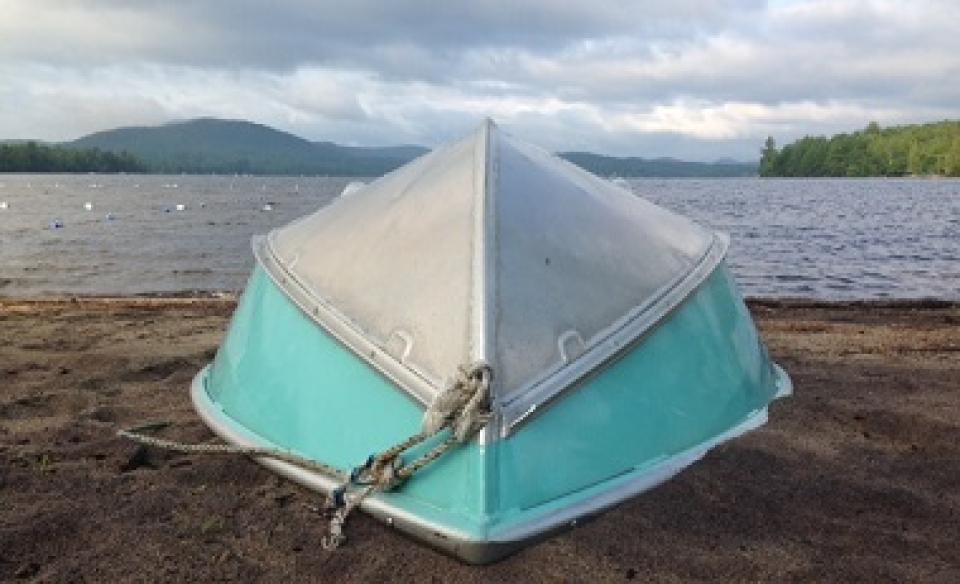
x=697, y=378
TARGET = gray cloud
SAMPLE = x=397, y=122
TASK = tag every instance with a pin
x=285, y=34
x=683, y=78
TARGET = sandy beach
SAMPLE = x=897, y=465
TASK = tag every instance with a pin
x=855, y=478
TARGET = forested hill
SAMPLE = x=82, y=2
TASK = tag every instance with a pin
x=209, y=145
x=227, y=146
x=235, y=146
x=916, y=150
x=657, y=167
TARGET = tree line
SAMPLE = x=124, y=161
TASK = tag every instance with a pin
x=657, y=167
x=34, y=157
x=916, y=150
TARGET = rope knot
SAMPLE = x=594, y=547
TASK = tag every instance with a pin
x=383, y=471
x=462, y=405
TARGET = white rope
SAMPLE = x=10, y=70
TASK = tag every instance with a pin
x=462, y=408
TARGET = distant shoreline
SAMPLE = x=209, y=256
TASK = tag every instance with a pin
x=306, y=175
x=205, y=145
x=374, y=176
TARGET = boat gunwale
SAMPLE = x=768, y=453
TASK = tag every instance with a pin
x=607, y=344
x=414, y=383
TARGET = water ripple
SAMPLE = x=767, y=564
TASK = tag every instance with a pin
x=832, y=239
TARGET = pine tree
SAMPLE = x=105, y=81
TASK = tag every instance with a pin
x=952, y=162
x=768, y=158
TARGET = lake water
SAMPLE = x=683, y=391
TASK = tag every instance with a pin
x=830, y=239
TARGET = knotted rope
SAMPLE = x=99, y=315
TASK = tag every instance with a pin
x=462, y=408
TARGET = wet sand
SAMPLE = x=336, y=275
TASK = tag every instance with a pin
x=855, y=478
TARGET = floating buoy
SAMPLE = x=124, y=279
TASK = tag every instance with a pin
x=88, y=206
x=56, y=224
x=109, y=217
x=267, y=207
x=181, y=207
x=203, y=205
x=3, y=204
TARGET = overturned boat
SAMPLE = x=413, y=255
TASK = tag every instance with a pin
x=615, y=349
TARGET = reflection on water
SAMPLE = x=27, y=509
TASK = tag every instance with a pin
x=94, y=234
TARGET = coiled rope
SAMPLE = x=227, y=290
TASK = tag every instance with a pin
x=462, y=408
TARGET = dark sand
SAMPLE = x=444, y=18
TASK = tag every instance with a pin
x=856, y=478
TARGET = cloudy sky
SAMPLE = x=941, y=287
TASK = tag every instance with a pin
x=693, y=79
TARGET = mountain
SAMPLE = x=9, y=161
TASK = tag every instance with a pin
x=208, y=145
x=228, y=146
x=657, y=167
